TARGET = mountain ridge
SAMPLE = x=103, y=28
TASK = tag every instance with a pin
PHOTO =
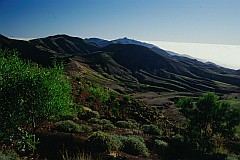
x=129, y=67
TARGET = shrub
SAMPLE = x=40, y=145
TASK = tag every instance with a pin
x=161, y=145
x=100, y=93
x=207, y=118
x=137, y=137
x=151, y=129
x=126, y=124
x=86, y=128
x=69, y=116
x=132, y=121
x=88, y=114
x=126, y=98
x=178, y=138
x=94, y=120
x=97, y=127
x=103, y=142
x=108, y=126
x=68, y=126
x=29, y=95
x=134, y=145
x=105, y=121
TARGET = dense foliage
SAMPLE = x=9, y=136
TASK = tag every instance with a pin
x=103, y=142
x=134, y=145
x=151, y=129
x=68, y=126
x=209, y=121
x=29, y=94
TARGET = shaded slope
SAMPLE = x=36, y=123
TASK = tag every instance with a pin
x=129, y=67
x=27, y=50
x=137, y=58
x=65, y=44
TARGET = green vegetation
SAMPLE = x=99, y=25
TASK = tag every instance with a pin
x=126, y=124
x=161, y=145
x=94, y=120
x=32, y=98
x=134, y=145
x=88, y=114
x=103, y=142
x=98, y=92
x=9, y=155
x=237, y=133
x=71, y=127
x=105, y=121
x=68, y=126
x=209, y=121
x=151, y=129
x=108, y=126
x=30, y=95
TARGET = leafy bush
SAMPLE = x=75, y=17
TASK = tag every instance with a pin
x=108, y=126
x=88, y=114
x=94, y=120
x=126, y=98
x=134, y=146
x=71, y=115
x=207, y=118
x=103, y=142
x=178, y=138
x=100, y=93
x=161, y=145
x=97, y=127
x=126, y=124
x=151, y=129
x=105, y=121
x=29, y=95
x=68, y=126
x=86, y=128
x=132, y=121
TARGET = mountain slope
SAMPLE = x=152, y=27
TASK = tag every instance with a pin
x=129, y=67
x=27, y=50
x=65, y=45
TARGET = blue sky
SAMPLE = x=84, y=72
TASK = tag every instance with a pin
x=201, y=21
x=196, y=25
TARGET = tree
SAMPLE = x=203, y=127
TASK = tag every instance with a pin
x=208, y=118
x=29, y=94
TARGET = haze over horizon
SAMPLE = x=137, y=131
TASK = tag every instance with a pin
x=224, y=55
x=186, y=21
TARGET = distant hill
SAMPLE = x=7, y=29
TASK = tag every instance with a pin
x=125, y=40
x=99, y=42
x=128, y=65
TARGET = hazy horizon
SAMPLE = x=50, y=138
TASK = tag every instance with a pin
x=224, y=55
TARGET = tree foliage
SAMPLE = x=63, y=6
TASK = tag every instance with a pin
x=208, y=118
x=30, y=94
